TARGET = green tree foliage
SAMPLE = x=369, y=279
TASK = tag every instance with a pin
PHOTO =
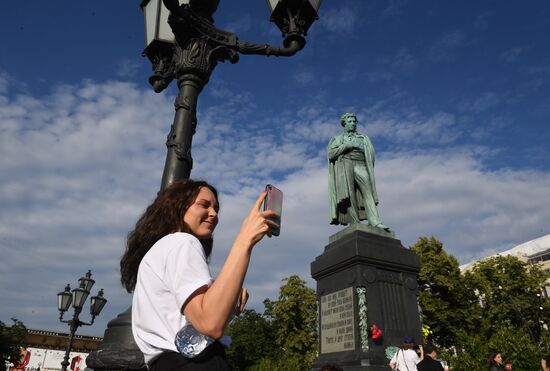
x=472, y=354
x=441, y=292
x=283, y=338
x=11, y=339
x=294, y=318
x=495, y=306
x=506, y=290
x=544, y=343
x=515, y=346
x=253, y=338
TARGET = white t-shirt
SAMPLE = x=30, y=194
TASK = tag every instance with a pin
x=173, y=269
x=405, y=358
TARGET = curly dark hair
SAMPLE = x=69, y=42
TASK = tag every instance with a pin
x=162, y=217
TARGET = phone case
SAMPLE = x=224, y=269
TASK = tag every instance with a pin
x=274, y=201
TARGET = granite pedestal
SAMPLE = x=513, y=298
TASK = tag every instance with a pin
x=365, y=276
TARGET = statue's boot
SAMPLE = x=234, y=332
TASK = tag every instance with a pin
x=382, y=226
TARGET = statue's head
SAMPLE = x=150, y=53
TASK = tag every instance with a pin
x=346, y=116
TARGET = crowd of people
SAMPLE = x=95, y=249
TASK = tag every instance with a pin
x=424, y=358
x=416, y=358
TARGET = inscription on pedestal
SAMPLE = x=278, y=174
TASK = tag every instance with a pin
x=337, y=321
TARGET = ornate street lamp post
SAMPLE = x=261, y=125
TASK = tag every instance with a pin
x=182, y=43
x=78, y=298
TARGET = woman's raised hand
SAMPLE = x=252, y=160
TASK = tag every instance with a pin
x=258, y=223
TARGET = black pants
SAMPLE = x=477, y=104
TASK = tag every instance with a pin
x=211, y=359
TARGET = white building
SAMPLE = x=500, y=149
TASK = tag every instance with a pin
x=44, y=350
x=536, y=251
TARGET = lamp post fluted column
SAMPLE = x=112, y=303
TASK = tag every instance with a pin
x=192, y=63
x=179, y=160
x=74, y=324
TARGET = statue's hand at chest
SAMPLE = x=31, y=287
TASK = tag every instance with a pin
x=353, y=141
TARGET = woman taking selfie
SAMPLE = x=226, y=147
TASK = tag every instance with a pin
x=165, y=265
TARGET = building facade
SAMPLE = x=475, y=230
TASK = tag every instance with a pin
x=536, y=251
x=44, y=351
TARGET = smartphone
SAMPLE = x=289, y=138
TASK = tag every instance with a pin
x=274, y=201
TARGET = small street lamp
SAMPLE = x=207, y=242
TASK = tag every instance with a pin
x=78, y=298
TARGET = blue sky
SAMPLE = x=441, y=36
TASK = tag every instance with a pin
x=455, y=96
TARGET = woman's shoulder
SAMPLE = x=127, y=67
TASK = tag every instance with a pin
x=178, y=238
x=173, y=242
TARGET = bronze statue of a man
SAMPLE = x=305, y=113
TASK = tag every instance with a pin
x=352, y=187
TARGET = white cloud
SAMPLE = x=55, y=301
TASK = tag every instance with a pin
x=482, y=103
x=243, y=24
x=128, y=67
x=511, y=55
x=349, y=73
x=338, y=20
x=541, y=70
x=3, y=83
x=415, y=128
x=378, y=76
x=79, y=166
x=394, y=8
x=304, y=76
x=452, y=39
x=482, y=21
x=404, y=60
x=446, y=45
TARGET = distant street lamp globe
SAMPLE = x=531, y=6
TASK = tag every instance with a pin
x=64, y=299
x=97, y=303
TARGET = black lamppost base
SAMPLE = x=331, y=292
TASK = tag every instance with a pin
x=118, y=351
x=363, y=279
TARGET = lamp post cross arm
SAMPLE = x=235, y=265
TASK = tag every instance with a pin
x=184, y=16
x=294, y=46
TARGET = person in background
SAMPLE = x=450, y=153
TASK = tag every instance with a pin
x=495, y=362
x=545, y=363
x=406, y=358
x=429, y=363
x=23, y=361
